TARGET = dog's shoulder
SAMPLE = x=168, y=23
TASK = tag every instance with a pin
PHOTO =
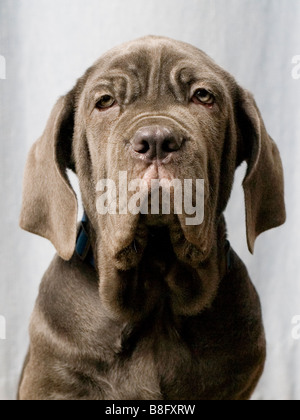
x=69, y=312
x=68, y=288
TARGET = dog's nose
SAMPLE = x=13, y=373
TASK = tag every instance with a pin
x=155, y=142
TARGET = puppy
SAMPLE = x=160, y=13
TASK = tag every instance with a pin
x=139, y=305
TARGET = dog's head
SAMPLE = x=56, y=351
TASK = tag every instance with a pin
x=153, y=109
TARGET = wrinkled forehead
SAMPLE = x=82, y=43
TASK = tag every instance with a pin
x=153, y=65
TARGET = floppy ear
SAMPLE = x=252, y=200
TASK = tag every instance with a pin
x=49, y=206
x=264, y=183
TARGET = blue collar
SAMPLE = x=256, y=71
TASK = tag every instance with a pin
x=83, y=243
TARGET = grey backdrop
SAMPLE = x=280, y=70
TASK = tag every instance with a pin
x=47, y=44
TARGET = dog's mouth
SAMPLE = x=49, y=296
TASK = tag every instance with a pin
x=153, y=203
x=156, y=230
x=156, y=171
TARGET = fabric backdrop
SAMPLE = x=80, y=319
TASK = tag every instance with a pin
x=45, y=45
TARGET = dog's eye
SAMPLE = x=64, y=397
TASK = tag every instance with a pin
x=105, y=102
x=203, y=96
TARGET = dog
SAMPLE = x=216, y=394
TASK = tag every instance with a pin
x=146, y=306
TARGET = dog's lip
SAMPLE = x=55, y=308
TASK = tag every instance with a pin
x=156, y=172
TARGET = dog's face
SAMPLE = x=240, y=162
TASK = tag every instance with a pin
x=155, y=109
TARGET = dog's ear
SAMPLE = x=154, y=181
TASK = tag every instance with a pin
x=49, y=206
x=263, y=184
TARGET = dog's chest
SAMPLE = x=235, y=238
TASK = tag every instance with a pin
x=159, y=366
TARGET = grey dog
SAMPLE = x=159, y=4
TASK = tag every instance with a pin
x=150, y=308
